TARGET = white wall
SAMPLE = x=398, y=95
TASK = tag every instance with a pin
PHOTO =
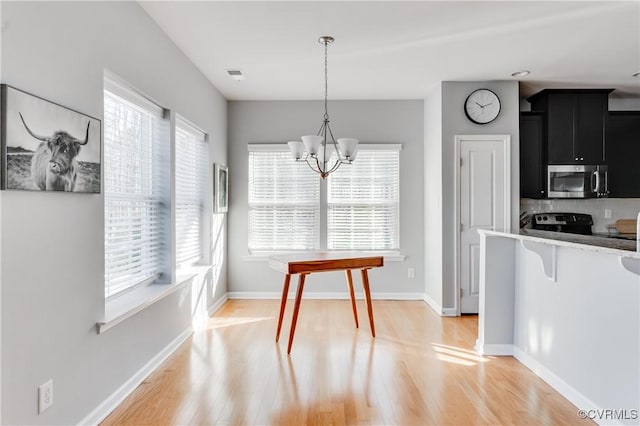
x=454, y=122
x=433, y=197
x=52, y=244
x=369, y=121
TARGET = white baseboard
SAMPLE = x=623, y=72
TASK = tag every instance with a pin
x=449, y=312
x=433, y=304
x=218, y=304
x=323, y=295
x=565, y=389
x=494, y=349
x=116, y=398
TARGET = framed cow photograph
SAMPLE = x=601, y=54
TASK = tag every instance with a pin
x=47, y=147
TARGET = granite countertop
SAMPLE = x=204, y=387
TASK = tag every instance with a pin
x=593, y=240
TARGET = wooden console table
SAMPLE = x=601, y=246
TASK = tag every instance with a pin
x=304, y=264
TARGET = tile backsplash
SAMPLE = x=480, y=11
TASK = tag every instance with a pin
x=621, y=208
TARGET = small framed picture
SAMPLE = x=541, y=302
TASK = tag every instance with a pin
x=220, y=188
x=47, y=147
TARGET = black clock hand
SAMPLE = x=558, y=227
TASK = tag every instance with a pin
x=481, y=106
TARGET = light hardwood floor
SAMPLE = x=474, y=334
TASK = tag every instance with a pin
x=419, y=370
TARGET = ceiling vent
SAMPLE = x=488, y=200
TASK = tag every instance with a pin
x=235, y=74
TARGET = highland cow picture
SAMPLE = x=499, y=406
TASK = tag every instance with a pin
x=47, y=147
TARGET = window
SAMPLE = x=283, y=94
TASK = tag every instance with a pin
x=192, y=161
x=363, y=201
x=135, y=188
x=284, y=201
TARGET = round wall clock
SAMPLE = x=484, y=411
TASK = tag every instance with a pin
x=482, y=106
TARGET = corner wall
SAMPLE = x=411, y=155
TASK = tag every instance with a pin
x=433, y=198
x=454, y=122
x=52, y=243
x=369, y=121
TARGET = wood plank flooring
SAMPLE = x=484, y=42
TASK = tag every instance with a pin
x=419, y=370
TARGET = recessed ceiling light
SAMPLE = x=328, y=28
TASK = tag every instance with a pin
x=235, y=74
x=636, y=74
x=521, y=73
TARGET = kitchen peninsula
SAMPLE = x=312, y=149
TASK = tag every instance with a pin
x=568, y=311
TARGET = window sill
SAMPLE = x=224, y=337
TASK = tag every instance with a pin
x=120, y=308
x=263, y=257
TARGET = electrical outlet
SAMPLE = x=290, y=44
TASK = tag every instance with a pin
x=45, y=396
x=607, y=213
x=411, y=272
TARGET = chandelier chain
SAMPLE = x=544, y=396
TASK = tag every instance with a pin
x=326, y=82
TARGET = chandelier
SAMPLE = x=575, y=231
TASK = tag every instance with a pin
x=317, y=150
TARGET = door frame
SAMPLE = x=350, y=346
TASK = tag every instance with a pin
x=506, y=142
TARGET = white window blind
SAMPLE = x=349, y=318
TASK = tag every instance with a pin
x=363, y=201
x=136, y=211
x=192, y=160
x=284, y=201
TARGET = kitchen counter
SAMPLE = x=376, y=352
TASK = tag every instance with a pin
x=548, y=302
x=592, y=240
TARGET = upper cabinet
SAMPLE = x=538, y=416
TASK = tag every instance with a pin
x=532, y=158
x=575, y=124
x=623, y=154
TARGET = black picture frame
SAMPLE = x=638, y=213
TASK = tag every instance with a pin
x=47, y=146
x=220, y=188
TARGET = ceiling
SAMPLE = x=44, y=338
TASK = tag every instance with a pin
x=401, y=50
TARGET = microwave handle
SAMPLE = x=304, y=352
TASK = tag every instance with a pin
x=597, y=176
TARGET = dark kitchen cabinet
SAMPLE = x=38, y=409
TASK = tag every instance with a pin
x=623, y=154
x=575, y=123
x=532, y=158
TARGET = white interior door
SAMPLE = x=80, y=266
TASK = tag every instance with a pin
x=484, y=200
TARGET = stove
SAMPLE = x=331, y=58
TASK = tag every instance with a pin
x=572, y=223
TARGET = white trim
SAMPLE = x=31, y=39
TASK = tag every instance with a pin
x=506, y=141
x=276, y=147
x=111, y=403
x=563, y=388
x=450, y=312
x=121, y=88
x=218, y=304
x=322, y=295
x=119, y=309
x=270, y=147
x=494, y=349
x=437, y=308
x=265, y=257
x=188, y=126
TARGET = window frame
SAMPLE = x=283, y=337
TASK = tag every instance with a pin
x=396, y=148
x=392, y=255
x=204, y=199
x=280, y=148
x=132, y=99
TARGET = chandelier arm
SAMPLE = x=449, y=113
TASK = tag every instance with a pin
x=335, y=144
x=320, y=169
x=310, y=166
x=335, y=166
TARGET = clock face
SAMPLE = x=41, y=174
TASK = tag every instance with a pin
x=482, y=106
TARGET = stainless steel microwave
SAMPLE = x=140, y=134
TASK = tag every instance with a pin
x=577, y=181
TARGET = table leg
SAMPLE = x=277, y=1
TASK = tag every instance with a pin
x=367, y=296
x=353, y=296
x=283, y=303
x=296, y=308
